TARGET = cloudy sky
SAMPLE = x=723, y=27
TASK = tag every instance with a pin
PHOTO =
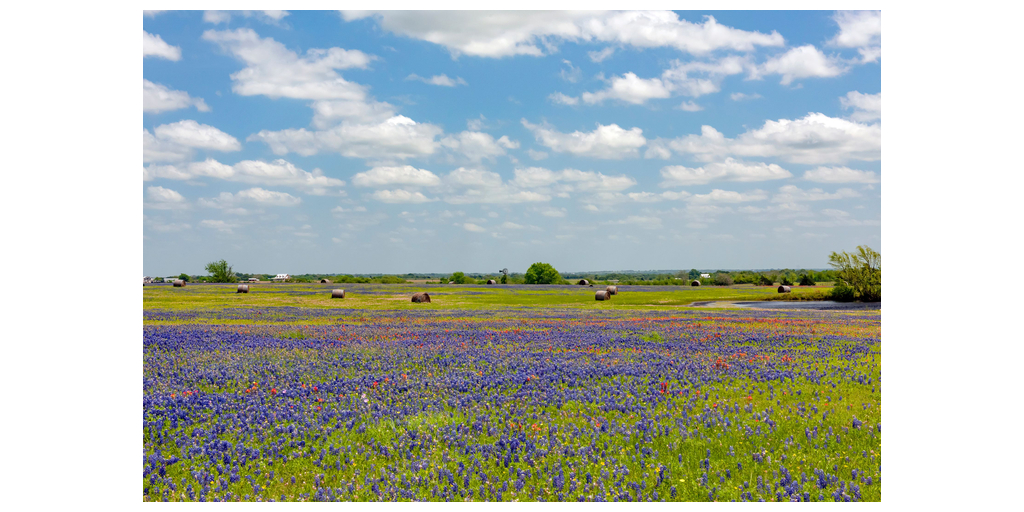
x=358, y=142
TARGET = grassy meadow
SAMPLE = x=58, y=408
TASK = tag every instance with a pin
x=398, y=296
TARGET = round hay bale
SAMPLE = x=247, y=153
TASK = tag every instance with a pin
x=178, y=283
x=695, y=283
x=421, y=297
x=243, y=288
x=325, y=281
x=614, y=290
x=491, y=281
x=583, y=282
x=602, y=295
x=338, y=294
x=784, y=289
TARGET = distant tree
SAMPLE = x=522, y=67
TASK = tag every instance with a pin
x=694, y=273
x=765, y=281
x=858, y=275
x=220, y=272
x=504, y=275
x=806, y=280
x=184, y=277
x=786, y=281
x=722, y=279
x=542, y=273
x=459, y=278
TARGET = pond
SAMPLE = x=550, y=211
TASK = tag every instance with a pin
x=809, y=304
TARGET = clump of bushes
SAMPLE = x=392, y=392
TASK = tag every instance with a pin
x=722, y=279
x=859, y=275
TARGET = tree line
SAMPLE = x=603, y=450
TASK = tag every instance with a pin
x=855, y=276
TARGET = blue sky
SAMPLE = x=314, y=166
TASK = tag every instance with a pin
x=395, y=142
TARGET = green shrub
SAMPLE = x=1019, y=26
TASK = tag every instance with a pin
x=842, y=292
x=722, y=279
x=860, y=271
x=543, y=273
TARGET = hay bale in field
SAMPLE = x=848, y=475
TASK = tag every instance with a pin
x=602, y=295
x=695, y=283
x=421, y=297
x=337, y=294
x=583, y=282
x=243, y=288
x=784, y=289
x=491, y=281
x=325, y=281
x=614, y=290
x=178, y=283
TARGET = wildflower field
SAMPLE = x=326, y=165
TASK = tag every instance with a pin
x=270, y=398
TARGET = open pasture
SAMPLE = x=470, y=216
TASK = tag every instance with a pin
x=397, y=296
x=300, y=400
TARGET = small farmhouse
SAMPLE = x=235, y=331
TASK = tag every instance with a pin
x=281, y=277
x=705, y=276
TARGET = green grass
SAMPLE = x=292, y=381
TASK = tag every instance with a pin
x=398, y=296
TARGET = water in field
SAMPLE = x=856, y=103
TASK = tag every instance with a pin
x=810, y=304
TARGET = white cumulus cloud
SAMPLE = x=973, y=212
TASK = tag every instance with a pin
x=477, y=146
x=161, y=198
x=861, y=30
x=729, y=196
x=400, y=196
x=729, y=170
x=813, y=139
x=275, y=71
x=606, y=141
x=441, y=80
x=840, y=175
x=500, y=34
x=256, y=195
x=219, y=225
x=398, y=175
x=866, y=107
x=802, y=62
x=563, y=99
x=177, y=141
x=397, y=138
x=739, y=96
x=794, y=194
x=694, y=78
x=218, y=17
x=276, y=173
x=158, y=98
x=154, y=46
